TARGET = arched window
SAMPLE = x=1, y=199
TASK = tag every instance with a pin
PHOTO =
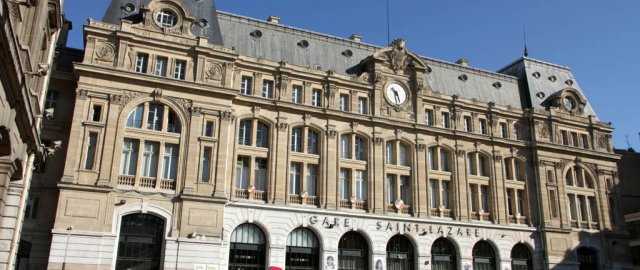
x=251, y=175
x=521, y=258
x=515, y=182
x=440, y=184
x=140, y=242
x=302, y=250
x=304, y=166
x=399, y=253
x=479, y=188
x=398, y=177
x=581, y=198
x=443, y=255
x=151, y=162
x=588, y=259
x=248, y=248
x=484, y=257
x=353, y=172
x=353, y=252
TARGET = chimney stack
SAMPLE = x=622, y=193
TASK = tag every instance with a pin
x=355, y=37
x=274, y=19
x=463, y=62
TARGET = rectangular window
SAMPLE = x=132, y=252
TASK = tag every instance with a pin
x=344, y=103
x=312, y=142
x=433, y=193
x=173, y=123
x=510, y=211
x=574, y=139
x=585, y=141
x=445, y=194
x=96, y=113
x=208, y=129
x=52, y=99
x=582, y=207
x=484, y=198
x=91, y=150
x=141, y=62
x=593, y=209
x=565, y=137
x=312, y=180
x=431, y=158
x=316, y=98
x=267, y=89
x=405, y=189
x=391, y=153
x=129, y=157
x=445, y=120
x=428, y=117
x=296, y=94
x=31, y=209
x=521, y=202
x=473, y=195
x=295, y=178
x=262, y=135
x=170, y=162
x=467, y=123
x=161, y=66
x=471, y=165
x=483, y=126
x=362, y=105
x=444, y=161
x=296, y=140
x=391, y=189
x=205, y=173
x=404, y=154
x=180, y=69
x=361, y=185
x=260, y=174
x=246, y=85
x=553, y=203
x=150, y=159
x=244, y=132
x=345, y=145
x=573, y=213
x=516, y=133
x=242, y=172
x=344, y=184
x=360, y=149
x=154, y=116
x=503, y=130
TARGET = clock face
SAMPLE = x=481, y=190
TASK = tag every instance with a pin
x=569, y=103
x=396, y=94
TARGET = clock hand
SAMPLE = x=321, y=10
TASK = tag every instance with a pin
x=395, y=93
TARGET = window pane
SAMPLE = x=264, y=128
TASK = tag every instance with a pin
x=154, y=116
x=174, y=123
x=161, y=66
x=405, y=189
x=312, y=142
x=246, y=85
x=344, y=184
x=404, y=159
x=444, y=160
x=150, y=159
x=445, y=194
x=267, y=89
x=170, y=162
x=433, y=191
x=206, y=165
x=316, y=98
x=135, y=117
x=431, y=155
x=360, y=149
x=180, y=70
x=242, y=172
x=391, y=153
x=129, y=158
x=344, y=103
x=141, y=62
x=294, y=178
x=260, y=174
x=92, y=142
x=484, y=193
x=361, y=185
x=345, y=146
x=262, y=135
x=391, y=189
x=244, y=133
x=296, y=140
x=312, y=180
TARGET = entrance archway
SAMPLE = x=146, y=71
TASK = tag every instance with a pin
x=484, y=257
x=302, y=250
x=399, y=253
x=443, y=255
x=140, y=242
x=588, y=258
x=248, y=248
x=353, y=252
x=521, y=258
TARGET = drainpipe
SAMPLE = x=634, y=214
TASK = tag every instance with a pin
x=26, y=178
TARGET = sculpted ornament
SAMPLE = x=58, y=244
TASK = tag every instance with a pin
x=398, y=55
x=105, y=52
x=544, y=129
x=214, y=72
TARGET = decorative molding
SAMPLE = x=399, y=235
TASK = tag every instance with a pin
x=332, y=133
x=354, y=126
x=105, y=51
x=227, y=115
x=185, y=103
x=461, y=152
x=397, y=57
x=196, y=111
x=125, y=97
x=213, y=71
x=82, y=94
x=421, y=147
x=256, y=111
x=378, y=141
x=156, y=94
x=283, y=127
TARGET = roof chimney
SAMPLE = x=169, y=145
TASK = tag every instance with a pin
x=463, y=62
x=355, y=37
x=274, y=19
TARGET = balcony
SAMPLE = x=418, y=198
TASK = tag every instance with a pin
x=442, y=212
x=406, y=209
x=517, y=219
x=581, y=224
x=146, y=182
x=356, y=205
x=255, y=195
x=481, y=216
x=303, y=200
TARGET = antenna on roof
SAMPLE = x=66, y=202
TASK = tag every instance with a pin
x=388, y=25
x=524, y=33
x=628, y=144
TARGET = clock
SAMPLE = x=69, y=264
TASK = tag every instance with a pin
x=396, y=94
x=569, y=103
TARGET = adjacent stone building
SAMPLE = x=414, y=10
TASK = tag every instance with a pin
x=207, y=140
x=28, y=34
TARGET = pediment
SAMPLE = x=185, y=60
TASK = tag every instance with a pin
x=397, y=57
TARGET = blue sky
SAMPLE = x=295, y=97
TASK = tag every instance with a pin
x=598, y=40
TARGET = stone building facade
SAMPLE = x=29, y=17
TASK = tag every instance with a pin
x=207, y=140
x=28, y=34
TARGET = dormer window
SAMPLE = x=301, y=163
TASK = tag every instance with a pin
x=569, y=103
x=166, y=18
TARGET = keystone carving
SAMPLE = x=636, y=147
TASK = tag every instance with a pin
x=398, y=55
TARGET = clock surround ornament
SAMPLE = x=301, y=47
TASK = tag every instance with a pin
x=396, y=94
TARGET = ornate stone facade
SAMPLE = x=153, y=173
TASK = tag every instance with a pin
x=373, y=143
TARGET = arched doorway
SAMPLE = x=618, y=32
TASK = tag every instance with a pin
x=484, y=258
x=248, y=248
x=140, y=242
x=302, y=250
x=521, y=258
x=353, y=252
x=399, y=253
x=588, y=258
x=443, y=255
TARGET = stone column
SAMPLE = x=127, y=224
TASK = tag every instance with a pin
x=499, y=190
x=193, y=151
x=331, y=173
x=562, y=197
x=421, y=202
x=75, y=138
x=460, y=186
x=379, y=177
x=224, y=160
x=108, y=141
x=281, y=162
